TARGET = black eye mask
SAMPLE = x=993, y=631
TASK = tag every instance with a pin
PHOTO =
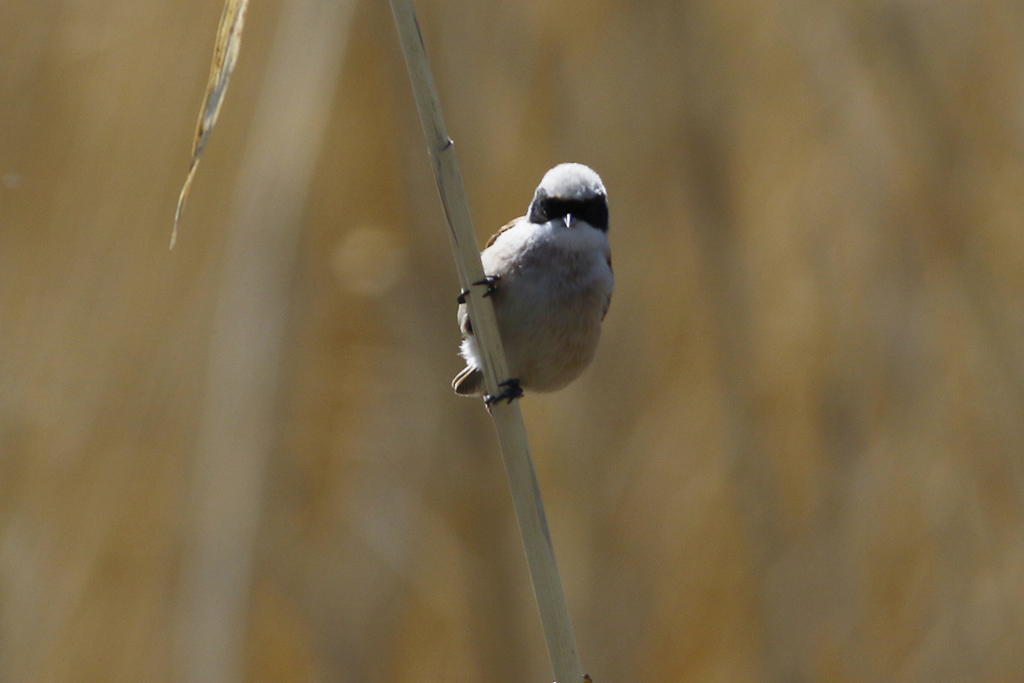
x=593, y=210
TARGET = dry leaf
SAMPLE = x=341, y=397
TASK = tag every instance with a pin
x=225, y=54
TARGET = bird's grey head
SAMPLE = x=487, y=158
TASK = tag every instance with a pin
x=570, y=192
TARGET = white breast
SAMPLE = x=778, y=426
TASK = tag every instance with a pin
x=556, y=283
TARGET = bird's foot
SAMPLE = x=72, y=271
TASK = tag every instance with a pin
x=510, y=391
x=491, y=282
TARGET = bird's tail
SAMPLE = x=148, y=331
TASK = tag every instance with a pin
x=469, y=382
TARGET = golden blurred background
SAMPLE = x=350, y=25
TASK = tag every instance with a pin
x=797, y=456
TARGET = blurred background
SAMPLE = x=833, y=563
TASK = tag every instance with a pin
x=796, y=457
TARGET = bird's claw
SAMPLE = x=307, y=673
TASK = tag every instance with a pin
x=510, y=391
x=489, y=281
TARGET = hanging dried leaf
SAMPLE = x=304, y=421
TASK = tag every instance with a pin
x=225, y=55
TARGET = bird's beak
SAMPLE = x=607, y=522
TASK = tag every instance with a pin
x=569, y=220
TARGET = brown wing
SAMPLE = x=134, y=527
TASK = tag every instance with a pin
x=464, y=322
x=503, y=229
x=609, y=301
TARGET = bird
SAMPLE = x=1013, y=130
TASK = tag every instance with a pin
x=549, y=277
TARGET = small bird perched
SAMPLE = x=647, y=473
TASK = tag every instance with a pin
x=549, y=276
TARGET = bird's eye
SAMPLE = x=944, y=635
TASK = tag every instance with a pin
x=558, y=208
x=540, y=209
x=593, y=211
